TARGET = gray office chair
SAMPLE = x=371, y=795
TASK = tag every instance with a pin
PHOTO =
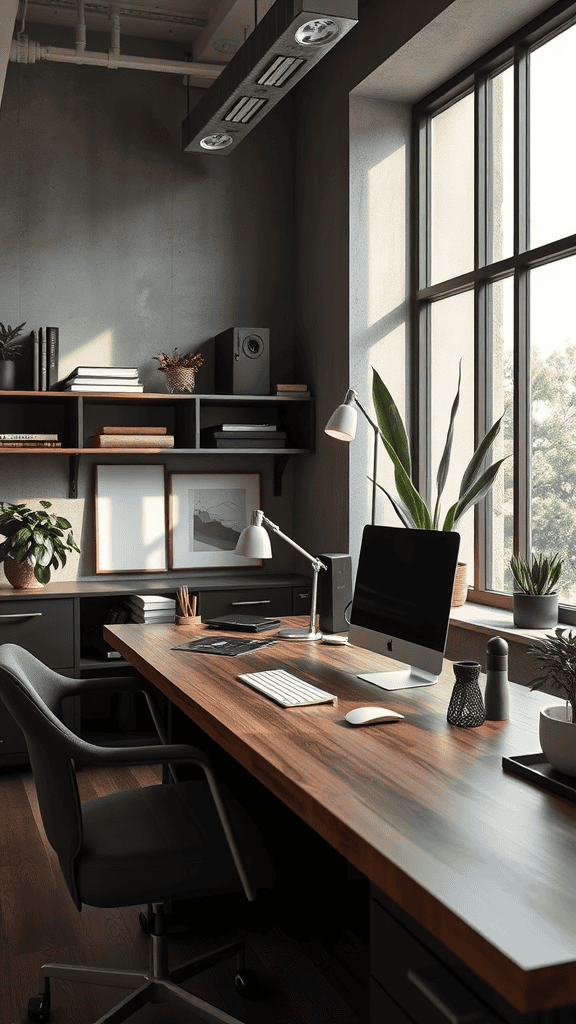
x=140, y=846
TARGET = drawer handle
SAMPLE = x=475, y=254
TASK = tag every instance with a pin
x=307, y=594
x=236, y=604
x=21, y=615
x=455, y=1002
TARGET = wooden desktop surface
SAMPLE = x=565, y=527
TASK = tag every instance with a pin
x=482, y=859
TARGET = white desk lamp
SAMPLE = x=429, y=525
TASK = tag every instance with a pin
x=342, y=426
x=254, y=542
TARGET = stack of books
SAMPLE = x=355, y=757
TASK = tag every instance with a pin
x=243, y=435
x=301, y=390
x=102, y=378
x=151, y=608
x=45, y=345
x=29, y=441
x=132, y=437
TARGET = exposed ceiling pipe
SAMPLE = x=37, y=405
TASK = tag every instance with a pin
x=28, y=51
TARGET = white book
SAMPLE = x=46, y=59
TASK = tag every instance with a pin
x=115, y=381
x=247, y=426
x=152, y=617
x=103, y=371
x=105, y=387
x=28, y=437
x=152, y=601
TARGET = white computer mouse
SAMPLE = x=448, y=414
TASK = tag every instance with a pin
x=370, y=716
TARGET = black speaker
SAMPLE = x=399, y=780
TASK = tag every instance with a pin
x=334, y=593
x=243, y=361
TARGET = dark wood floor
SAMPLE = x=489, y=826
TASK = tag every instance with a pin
x=39, y=923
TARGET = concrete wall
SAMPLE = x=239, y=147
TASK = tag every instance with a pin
x=131, y=247
x=326, y=247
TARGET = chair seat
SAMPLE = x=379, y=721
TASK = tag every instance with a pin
x=162, y=842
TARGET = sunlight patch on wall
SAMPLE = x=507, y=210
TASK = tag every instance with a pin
x=386, y=235
x=96, y=352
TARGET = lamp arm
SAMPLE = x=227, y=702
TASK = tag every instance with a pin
x=363, y=410
x=316, y=563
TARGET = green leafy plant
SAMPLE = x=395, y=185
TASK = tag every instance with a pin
x=9, y=344
x=539, y=575
x=408, y=504
x=36, y=536
x=556, y=659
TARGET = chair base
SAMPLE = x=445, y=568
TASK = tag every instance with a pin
x=156, y=985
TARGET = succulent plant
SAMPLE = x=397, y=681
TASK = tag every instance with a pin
x=536, y=576
x=9, y=344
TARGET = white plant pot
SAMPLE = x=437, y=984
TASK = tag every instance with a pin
x=558, y=738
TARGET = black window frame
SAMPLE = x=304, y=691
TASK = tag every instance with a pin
x=513, y=51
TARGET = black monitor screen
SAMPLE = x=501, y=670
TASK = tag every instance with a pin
x=404, y=583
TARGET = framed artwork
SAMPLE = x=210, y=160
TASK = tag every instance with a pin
x=206, y=515
x=130, y=518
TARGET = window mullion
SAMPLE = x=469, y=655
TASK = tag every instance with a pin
x=482, y=247
x=522, y=432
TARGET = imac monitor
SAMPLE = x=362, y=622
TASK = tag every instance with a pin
x=401, y=603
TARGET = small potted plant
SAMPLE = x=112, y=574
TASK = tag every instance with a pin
x=180, y=370
x=9, y=351
x=556, y=659
x=35, y=543
x=535, y=599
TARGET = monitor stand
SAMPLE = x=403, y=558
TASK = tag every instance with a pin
x=402, y=680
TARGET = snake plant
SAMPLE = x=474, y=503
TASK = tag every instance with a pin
x=408, y=504
x=537, y=576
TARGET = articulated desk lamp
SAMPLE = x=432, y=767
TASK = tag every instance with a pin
x=342, y=426
x=254, y=542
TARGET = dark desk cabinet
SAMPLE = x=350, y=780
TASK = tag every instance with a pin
x=62, y=623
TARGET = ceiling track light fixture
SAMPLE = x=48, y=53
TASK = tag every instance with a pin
x=289, y=40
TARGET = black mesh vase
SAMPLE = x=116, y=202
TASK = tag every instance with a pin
x=466, y=706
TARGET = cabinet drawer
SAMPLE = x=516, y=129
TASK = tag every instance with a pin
x=417, y=981
x=45, y=628
x=262, y=600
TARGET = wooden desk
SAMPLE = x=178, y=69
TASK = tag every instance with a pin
x=483, y=860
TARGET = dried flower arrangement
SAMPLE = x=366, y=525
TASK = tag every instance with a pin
x=191, y=361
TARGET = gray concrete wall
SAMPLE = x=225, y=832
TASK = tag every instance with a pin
x=131, y=247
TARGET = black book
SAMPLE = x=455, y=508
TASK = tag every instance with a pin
x=35, y=361
x=52, y=345
x=266, y=435
x=248, y=442
x=43, y=360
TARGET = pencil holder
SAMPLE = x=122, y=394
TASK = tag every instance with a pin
x=466, y=706
x=187, y=620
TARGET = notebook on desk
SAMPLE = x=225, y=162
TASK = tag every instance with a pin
x=244, y=623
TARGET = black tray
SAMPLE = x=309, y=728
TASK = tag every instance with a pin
x=536, y=768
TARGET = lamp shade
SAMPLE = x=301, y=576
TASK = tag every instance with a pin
x=254, y=542
x=342, y=423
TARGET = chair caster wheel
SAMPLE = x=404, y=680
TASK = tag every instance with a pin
x=144, y=922
x=246, y=983
x=39, y=1008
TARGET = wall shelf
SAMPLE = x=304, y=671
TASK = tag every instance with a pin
x=76, y=416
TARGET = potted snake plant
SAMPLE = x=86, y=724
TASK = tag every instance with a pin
x=408, y=503
x=535, y=598
x=556, y=658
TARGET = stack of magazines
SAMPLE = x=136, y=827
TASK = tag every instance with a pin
x=102, y=378
x=151, y=608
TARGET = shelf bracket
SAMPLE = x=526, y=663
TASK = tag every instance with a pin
x=74, y=462
x=280, y=463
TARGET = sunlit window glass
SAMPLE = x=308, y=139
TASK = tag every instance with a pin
x=501, y=185
x=452, y=168
x=553, y=418
x=502, y=395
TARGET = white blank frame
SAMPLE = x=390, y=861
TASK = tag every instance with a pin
x=130, y=518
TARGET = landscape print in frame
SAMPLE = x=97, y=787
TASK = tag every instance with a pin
x=207, y=513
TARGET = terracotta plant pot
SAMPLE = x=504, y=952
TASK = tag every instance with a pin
x=20, y=575
x=460, y=588
x=558, y=738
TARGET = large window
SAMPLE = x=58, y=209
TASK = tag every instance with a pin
x=494, y=285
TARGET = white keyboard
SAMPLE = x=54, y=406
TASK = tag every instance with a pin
x=287, y=690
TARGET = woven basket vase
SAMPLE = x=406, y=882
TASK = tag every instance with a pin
x=460, y=589
x=180, y=379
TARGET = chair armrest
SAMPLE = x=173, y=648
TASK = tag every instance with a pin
x=89, y=753
x=112, y=684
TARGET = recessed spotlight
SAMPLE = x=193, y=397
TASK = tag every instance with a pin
x=216, y=141
x=317, y=32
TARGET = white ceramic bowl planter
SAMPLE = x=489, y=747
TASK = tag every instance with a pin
x=558, y=737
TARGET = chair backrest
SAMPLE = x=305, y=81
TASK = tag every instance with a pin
x=33, y=696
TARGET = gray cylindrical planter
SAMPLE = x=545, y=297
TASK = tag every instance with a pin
x=535, y=611
x=7, y=375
